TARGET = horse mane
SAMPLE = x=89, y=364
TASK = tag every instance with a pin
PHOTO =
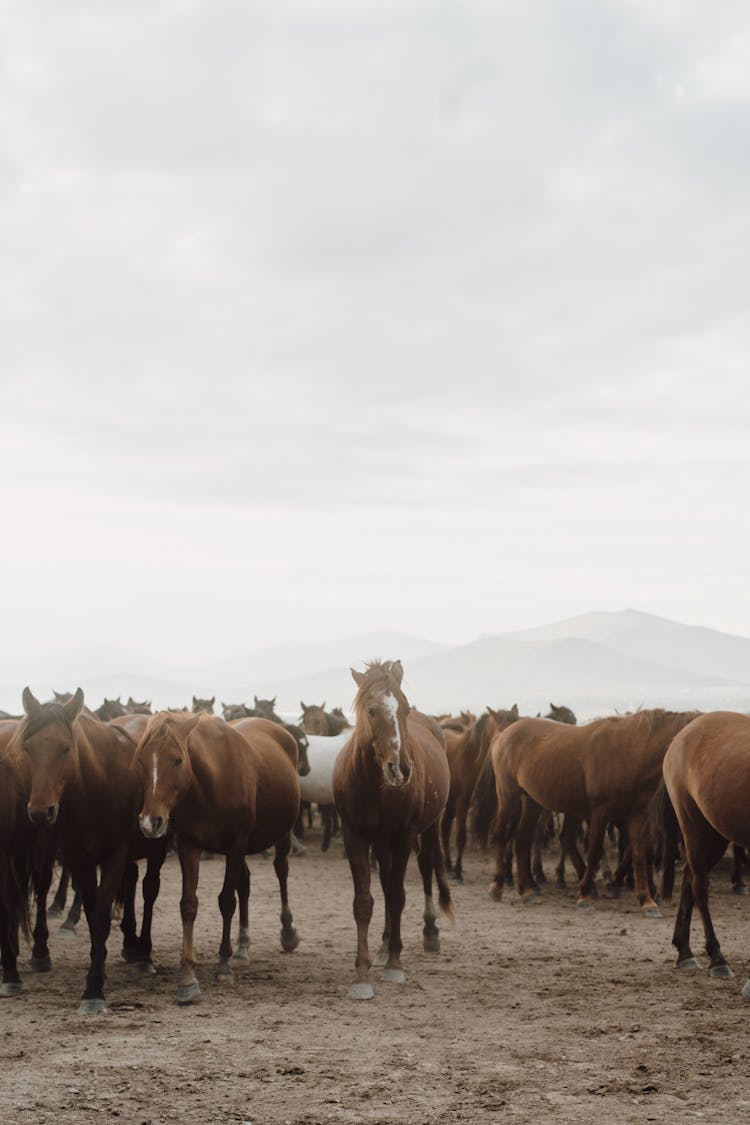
x=379, y=673
x=52, y=712
x=476, y=733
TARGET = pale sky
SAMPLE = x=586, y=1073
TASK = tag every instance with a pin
x=324, y=317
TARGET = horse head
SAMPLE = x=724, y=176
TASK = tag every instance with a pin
x=381, y=708
x=48, y=739
x=206, y=705
x=163, y=758
x=314, y=719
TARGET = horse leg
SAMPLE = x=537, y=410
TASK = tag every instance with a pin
x=127, y=925
x=428, y=845
x=508, y=816
x=597, y=828
x=242, y=952
x=43, y=862
x=151, y=886
x=97, y=903
x=540, y=835
x=58, y=902
x=462, y=815
x=739, y=856
x=325, y=815
x=712, y=849
x=446, y=823
x=289, y=936
x=11, y=912
x=235, y=861
x=524, y=838
x=401, y=848
x=358, y=854
x=383, y=853
x=189, y=855
x=637, y=826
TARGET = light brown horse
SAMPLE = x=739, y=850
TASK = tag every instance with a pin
x=228, y=789
x=605, y=771
x=707, y=774
x=82, y=782
x=467, y=754
x=316, y=720
x=390, y=785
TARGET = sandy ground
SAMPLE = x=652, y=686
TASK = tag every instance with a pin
x=530, y=1013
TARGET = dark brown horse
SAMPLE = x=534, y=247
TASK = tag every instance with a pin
x=390, y=785
x=467, y=755
x=82, y=782
x=110, y=709
x=707, y=774
x=606, y=771
x=228, y=789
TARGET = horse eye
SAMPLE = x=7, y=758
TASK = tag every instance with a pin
x=66, y=750
x=178, y=761
x=372, y=710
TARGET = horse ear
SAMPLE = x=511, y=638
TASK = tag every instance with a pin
x=194, y=701
x=490, y=712
x=514, y=710
x=323, y=705
x=213, y=700
x=302, y=706
x=256, y=700
x=273, y=701
x=73, y=707
x=30, y=703
x=397, y=669
x=358, y=677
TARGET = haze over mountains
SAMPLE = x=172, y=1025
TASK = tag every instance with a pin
x=595, y=663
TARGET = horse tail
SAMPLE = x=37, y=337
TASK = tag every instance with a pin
x=485, y=805
x=669, y=829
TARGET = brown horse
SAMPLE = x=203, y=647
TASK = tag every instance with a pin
x=467, y=754
x=205, y=706
x=110, y=709
x=27, y=855
x=81, y=781
x=316, y=720
x=390, y=785
x=606, y=771
x=707, y=774
x=228, y=789
x=134, y=708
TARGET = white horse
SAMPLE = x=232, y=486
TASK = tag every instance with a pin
x=317, y=785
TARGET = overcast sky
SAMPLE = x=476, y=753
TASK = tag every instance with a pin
x=329, y=316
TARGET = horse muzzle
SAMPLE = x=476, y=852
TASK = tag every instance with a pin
x=154, y=827
x=42, y=814
x=394, y=776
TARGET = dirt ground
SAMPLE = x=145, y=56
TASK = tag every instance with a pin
x=530, y=1013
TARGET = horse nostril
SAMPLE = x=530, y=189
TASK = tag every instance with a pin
x=51, y=814
x=157, y=823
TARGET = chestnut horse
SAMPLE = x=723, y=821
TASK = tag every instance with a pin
x=467, y=754
x=707, y=774
x=228, y=789
x=81, y=781
x=316, y=720
x=390, y=785
x=605, y=771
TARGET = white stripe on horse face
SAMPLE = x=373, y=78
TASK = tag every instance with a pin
x=390, y=706
x=155, y=770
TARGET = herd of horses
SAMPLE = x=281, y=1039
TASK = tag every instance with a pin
x=99, y=791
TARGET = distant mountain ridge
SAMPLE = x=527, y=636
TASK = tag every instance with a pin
x=595, y=663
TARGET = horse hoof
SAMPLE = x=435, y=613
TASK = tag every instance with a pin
x=224, y=977
x=532, y=899
x=614, y=890
x=689, y=965
x=67, y=929
x=457, y=877
x=241, y=953
x=746, y=989
x=431, y=943
x=585, y=904
x=393, y=976
x=41, y=964
x=146, y=968
x=91, y=1006
x=54, y=912
x=289, y=941
x=652, y=912
x=362, y=990
x=187, y=993
x=496, y=893
x=721, y=972
x=11, y=988
x=739, y=889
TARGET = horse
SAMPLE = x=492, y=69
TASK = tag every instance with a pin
x=467, y=754
x=390, y=785
x=606, y=771
x=707, y=775
x=316, y=720
x=82, y=782
x=27, y=856
x=110, y=709
x=232, y=711
x=203, y=705
x=134, y=708
x=229, y=789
